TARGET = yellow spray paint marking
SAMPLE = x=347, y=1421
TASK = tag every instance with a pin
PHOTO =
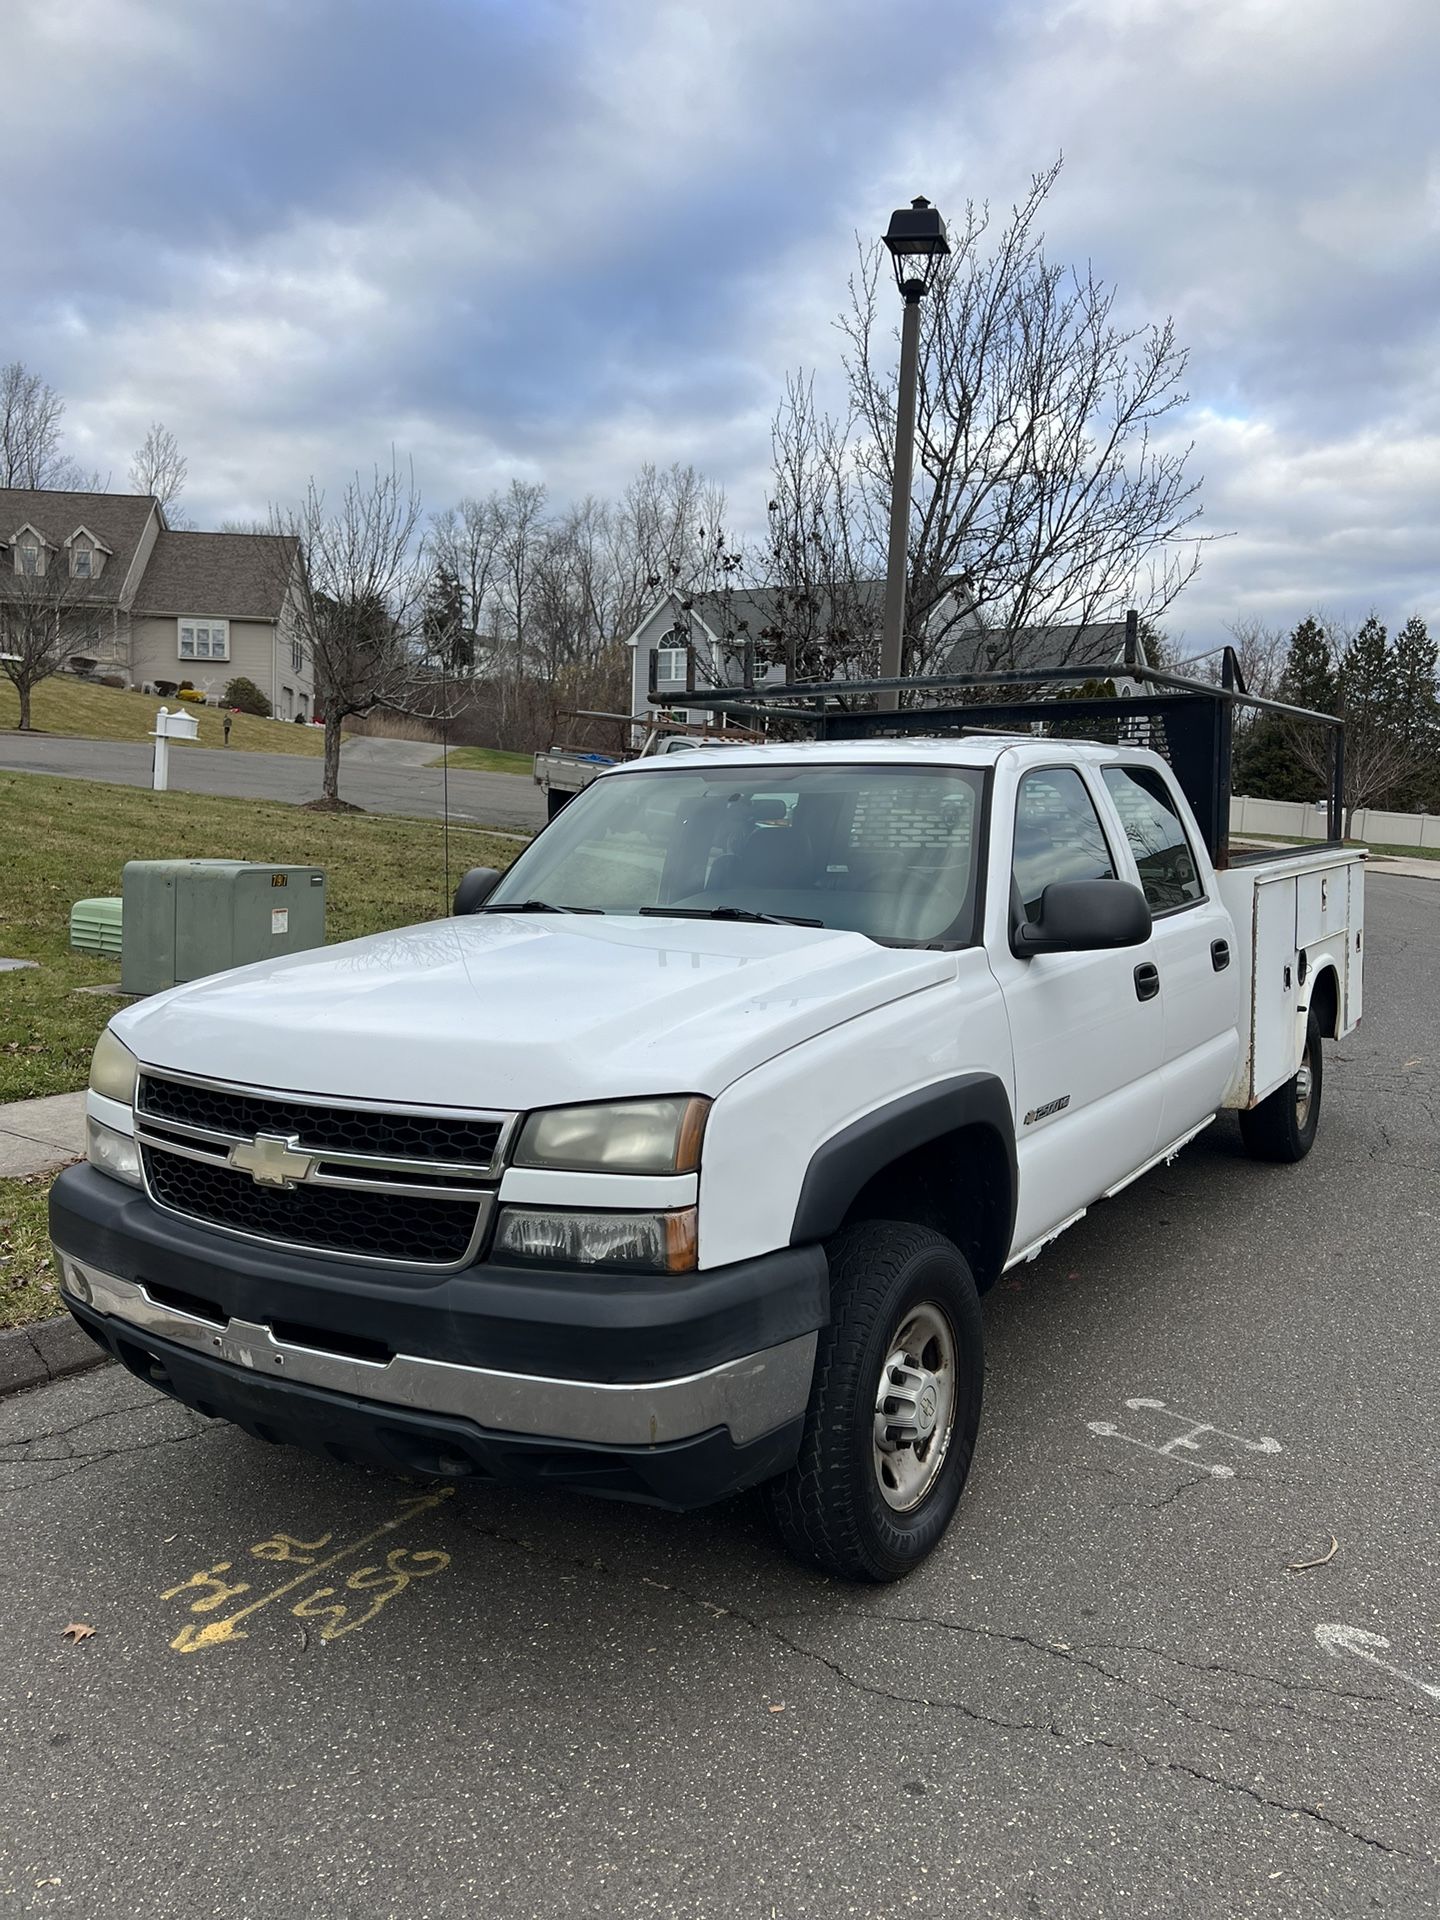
x=377, y=1584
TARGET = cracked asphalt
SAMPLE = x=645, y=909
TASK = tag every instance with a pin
x=1104, y=1695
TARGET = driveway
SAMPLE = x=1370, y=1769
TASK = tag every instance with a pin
x=1122, y=1687
x=380, y=781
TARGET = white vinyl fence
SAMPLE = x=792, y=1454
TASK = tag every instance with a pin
x=1293, y=820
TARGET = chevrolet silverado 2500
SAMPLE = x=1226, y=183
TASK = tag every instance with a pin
x=680, y=1160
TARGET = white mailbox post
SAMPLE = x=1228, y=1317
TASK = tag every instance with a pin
x=170, y=726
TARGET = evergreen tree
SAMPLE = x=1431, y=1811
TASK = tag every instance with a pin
x=1310, y=679
x=443, y=623
x=1418, y=715
x=1273, y=759
x=1367, y=681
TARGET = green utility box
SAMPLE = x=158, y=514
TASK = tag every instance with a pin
x=186, y=918
x=95, y=926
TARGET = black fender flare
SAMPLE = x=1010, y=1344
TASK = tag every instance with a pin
x=842, y=1165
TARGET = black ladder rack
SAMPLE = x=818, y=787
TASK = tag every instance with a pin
x=1197, y=717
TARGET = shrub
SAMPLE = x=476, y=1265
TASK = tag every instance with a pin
x=166, y=687
x=112, y=679
x=246, y=697
x=192, y=693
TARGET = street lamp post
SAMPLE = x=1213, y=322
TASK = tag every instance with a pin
x=916, y=239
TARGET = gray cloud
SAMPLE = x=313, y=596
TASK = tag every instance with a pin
x=559, y=238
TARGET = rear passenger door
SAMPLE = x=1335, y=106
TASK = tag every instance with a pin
x=1087, y=1047
x=1192, y=947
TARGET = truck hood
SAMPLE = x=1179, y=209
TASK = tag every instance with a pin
x=500, y=1010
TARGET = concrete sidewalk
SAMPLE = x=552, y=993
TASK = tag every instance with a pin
x=1412, y=869
x=36, y=1135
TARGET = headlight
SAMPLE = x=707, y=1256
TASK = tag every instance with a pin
x=113, y=1153
x=113, y=1071
x=634, y=1242
x=622, y=1136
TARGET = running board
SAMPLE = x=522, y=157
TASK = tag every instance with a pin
x=1167, y=1154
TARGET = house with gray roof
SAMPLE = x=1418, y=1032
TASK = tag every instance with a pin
x=810, y=637
x=159, y=606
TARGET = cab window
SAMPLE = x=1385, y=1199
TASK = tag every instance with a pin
x=1058, y=836
x=1168, y=873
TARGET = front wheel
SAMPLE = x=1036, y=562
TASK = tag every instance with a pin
x=895, y=1408
x=1284, y=1124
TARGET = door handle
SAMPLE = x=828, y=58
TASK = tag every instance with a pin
x=1147, y=980
x=1219, y=955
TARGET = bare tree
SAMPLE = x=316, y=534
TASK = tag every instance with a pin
x=358, y=588
x=1048, y=479
x=30, y=416
x=1262, y=651
x=521, y=510
x=664, y=533
x=160, y=468
x=817, y=614
x=466, y=542
x=44, y=616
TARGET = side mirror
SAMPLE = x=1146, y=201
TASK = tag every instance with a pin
x=1082, y=916
x=475, y=889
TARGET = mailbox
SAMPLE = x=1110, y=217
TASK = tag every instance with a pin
x=187, y=918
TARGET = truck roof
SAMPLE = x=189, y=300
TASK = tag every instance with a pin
x=955, y=750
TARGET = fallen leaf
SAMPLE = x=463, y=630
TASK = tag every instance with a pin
x=77, y=1631
x=1301, y=1566
x=779, y=1709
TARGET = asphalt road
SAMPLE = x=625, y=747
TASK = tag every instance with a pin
x=1107, y=1694
x=380, y=782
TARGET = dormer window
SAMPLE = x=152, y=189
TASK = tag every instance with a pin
x=27, y=559
x=87, y=554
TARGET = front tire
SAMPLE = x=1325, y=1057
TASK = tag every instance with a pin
x=1284, y=1125
x=895, y=1407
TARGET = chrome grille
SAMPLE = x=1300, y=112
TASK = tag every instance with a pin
x=395, y=1187
x=458, y=1140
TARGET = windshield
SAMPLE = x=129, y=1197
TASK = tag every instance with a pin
x=890, y=852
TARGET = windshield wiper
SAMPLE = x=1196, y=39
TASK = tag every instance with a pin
x=535, y=906
x=731, y=913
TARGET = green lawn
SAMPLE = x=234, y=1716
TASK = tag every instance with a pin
x=78, y=708
x=66, y=840
x=27, y=1283
x=486, y=760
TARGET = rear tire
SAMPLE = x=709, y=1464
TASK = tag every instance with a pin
x=1284, y=1125
x=894, y=1410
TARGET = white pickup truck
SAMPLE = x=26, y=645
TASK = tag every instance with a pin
x=678, y=1160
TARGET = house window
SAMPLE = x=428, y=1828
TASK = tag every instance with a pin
x=204, y=639
x=670, y=665
x=297, y=657
x=27, y=559
x=80, y=563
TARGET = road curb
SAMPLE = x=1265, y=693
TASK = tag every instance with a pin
x=49, y=1350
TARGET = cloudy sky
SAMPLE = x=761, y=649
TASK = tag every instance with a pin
x=559, y=237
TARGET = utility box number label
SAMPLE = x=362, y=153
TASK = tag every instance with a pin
x=279, y=879
x=279, y=920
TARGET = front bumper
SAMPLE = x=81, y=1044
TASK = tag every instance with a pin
x=676, y=1391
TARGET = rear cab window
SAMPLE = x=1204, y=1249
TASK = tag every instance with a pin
x=1169, y=875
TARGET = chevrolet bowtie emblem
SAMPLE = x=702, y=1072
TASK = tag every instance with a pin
x=271, y=1160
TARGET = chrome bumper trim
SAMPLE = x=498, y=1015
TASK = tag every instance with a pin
x=750, y=1396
